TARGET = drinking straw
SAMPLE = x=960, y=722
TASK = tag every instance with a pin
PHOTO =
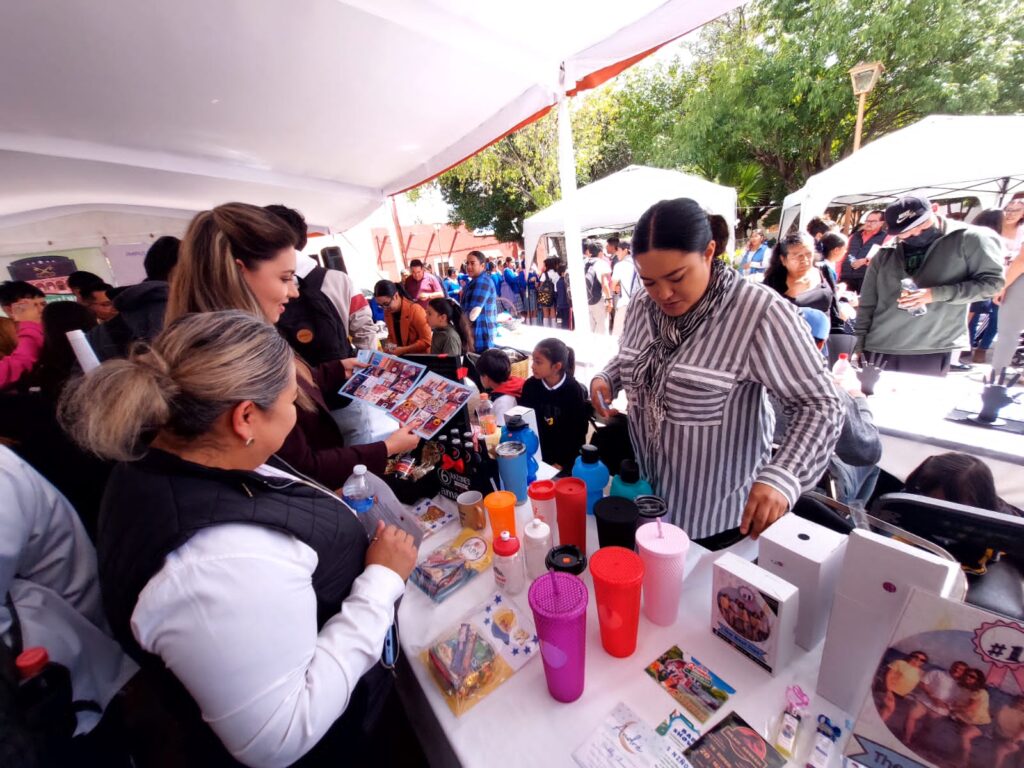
x=658, y=521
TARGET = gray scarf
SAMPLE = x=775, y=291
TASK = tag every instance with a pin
x=652, y=366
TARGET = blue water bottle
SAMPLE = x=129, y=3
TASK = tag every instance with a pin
x=628, y=484
x=512, y=469
x=591, y=470
x=516, y=429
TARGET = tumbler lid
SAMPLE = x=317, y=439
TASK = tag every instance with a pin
x=590, y=454
x=566, y=558
x=541, y=490
x=514, y=422
x=615, y=509
x=31, y=662
x=506, y=545
x=617, y=565
x=651, y=506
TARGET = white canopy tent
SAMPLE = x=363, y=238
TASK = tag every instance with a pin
x=941, y=156
x=145, y=108
x=615, y=202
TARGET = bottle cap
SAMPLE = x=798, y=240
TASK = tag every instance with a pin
x=566, y=558
x=31, y=662
x=541, y=490
x=629, y=471
x=590, y=454
x=359, y=469
x=843, y=356
x=506, y=545
x=514, y=422
x=537, y=529
x=485, y=396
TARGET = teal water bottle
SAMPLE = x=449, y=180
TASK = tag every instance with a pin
x=628, y=484
x=591, y=470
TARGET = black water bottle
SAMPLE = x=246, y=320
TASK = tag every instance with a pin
x=45, y=697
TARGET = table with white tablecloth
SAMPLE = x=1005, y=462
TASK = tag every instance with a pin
x=910, y=413
x=519, y=724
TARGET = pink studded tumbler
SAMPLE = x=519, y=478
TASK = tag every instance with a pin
x=559, y=605
x=662, y=547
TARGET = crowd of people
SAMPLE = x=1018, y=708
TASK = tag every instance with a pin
x=254, y=618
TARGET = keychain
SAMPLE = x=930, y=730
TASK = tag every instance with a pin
x=796, y=706
x=824, y=740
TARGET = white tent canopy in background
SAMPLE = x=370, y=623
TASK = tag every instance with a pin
x=941, y=156
x=324, y=105
x=615, y=202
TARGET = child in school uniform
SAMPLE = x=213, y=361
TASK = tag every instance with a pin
x=495, y=371
x=561, y=403
x=450, y=331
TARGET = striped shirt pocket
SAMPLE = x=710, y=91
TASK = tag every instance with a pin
x=696, y=396
x=627, y=364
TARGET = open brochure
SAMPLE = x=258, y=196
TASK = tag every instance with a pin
x=420, y=400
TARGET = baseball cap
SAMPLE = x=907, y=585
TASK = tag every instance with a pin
x=907, y=213
x=817, y=321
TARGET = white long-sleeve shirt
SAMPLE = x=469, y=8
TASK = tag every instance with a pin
x=48, y=565
x=233, y=615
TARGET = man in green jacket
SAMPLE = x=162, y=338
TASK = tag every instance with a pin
x=950, y=265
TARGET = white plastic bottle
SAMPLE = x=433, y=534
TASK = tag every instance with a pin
x=509, y=568
x=841, y=369
x=357, y=494
x=537, y=543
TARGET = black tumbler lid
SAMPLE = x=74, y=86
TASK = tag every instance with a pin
x=629, y=471
x=566, y=558
x=514, y=422
x=615, y=509
x=651, y=506
x=590, y=454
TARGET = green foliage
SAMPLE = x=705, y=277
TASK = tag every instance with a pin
x=761, y=100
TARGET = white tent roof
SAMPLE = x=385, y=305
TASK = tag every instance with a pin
x=940, y=156
x=325, y=105
x=616, y=202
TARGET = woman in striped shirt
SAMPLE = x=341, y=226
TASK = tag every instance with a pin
x=699, y=353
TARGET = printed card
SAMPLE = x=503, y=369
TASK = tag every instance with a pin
x=622, y=740
x=732, y=743
x=699, y=690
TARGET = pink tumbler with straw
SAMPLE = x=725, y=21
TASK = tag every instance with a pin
x=559, y=605
x=662, y=547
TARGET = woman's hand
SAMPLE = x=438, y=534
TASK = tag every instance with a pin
x=765, y=505
x=401, y=441
x=350, y=365
x=601, y=396
x=393, y=548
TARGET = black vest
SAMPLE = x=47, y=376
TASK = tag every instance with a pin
x=154, y=505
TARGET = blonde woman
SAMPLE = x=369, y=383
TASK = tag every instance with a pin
x=253, y=589
x=240, y=256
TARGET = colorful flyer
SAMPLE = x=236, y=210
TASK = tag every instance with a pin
x=392, y=384
x=699, y=690
x=677, y=734
x=732, y=743
x=509, y=629
x=431, y=404
x=622, y=740
x=948, y=691
x=385, y=381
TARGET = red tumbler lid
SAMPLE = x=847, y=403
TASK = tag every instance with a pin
x=616, y=565
x=505, y=545
x=541, y=490
x=31, y=662
x=570, y=486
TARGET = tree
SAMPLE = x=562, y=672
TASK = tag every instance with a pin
x=769, y=85
x=518, y=175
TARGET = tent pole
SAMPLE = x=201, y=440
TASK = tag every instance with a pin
x=397, y=243
x=567, y=179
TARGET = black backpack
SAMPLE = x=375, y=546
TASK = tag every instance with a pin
x=594, y=293
x=312, y=325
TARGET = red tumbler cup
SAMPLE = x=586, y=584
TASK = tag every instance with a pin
x=571, y=500
x=618, y=575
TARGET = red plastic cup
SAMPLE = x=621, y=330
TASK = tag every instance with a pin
x=618, y=575
x=571, y=500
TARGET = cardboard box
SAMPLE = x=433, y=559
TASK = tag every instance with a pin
x=808, y=556
x=875, y=580
x=754, y=611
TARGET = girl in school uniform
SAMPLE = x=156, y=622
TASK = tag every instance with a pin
x=450, y=332
x=561, y=403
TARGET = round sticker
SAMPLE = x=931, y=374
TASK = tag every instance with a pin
x=305, y=335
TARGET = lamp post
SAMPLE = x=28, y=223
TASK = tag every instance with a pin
x=864, y=78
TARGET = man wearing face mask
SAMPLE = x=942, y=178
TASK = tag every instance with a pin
x=952, y=264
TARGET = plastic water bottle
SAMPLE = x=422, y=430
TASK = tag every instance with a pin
x=485, y=415
x=591, y=470
x=628, y=484
x=357, y=494
x=516, y=429
x=841, y=369
x=909, y=285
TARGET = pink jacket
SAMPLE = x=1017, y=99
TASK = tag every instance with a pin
x=24, y=356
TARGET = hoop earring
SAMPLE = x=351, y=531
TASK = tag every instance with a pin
x=250, y=441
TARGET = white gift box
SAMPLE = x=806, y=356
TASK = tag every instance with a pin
x=875, y=580
x=808, y=556
x=754, y=611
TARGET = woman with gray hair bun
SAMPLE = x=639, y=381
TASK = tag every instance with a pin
x=250, y=593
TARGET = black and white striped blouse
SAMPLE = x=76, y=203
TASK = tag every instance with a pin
x=715, y=438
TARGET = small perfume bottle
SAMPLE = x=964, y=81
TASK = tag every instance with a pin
x=796, y=706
